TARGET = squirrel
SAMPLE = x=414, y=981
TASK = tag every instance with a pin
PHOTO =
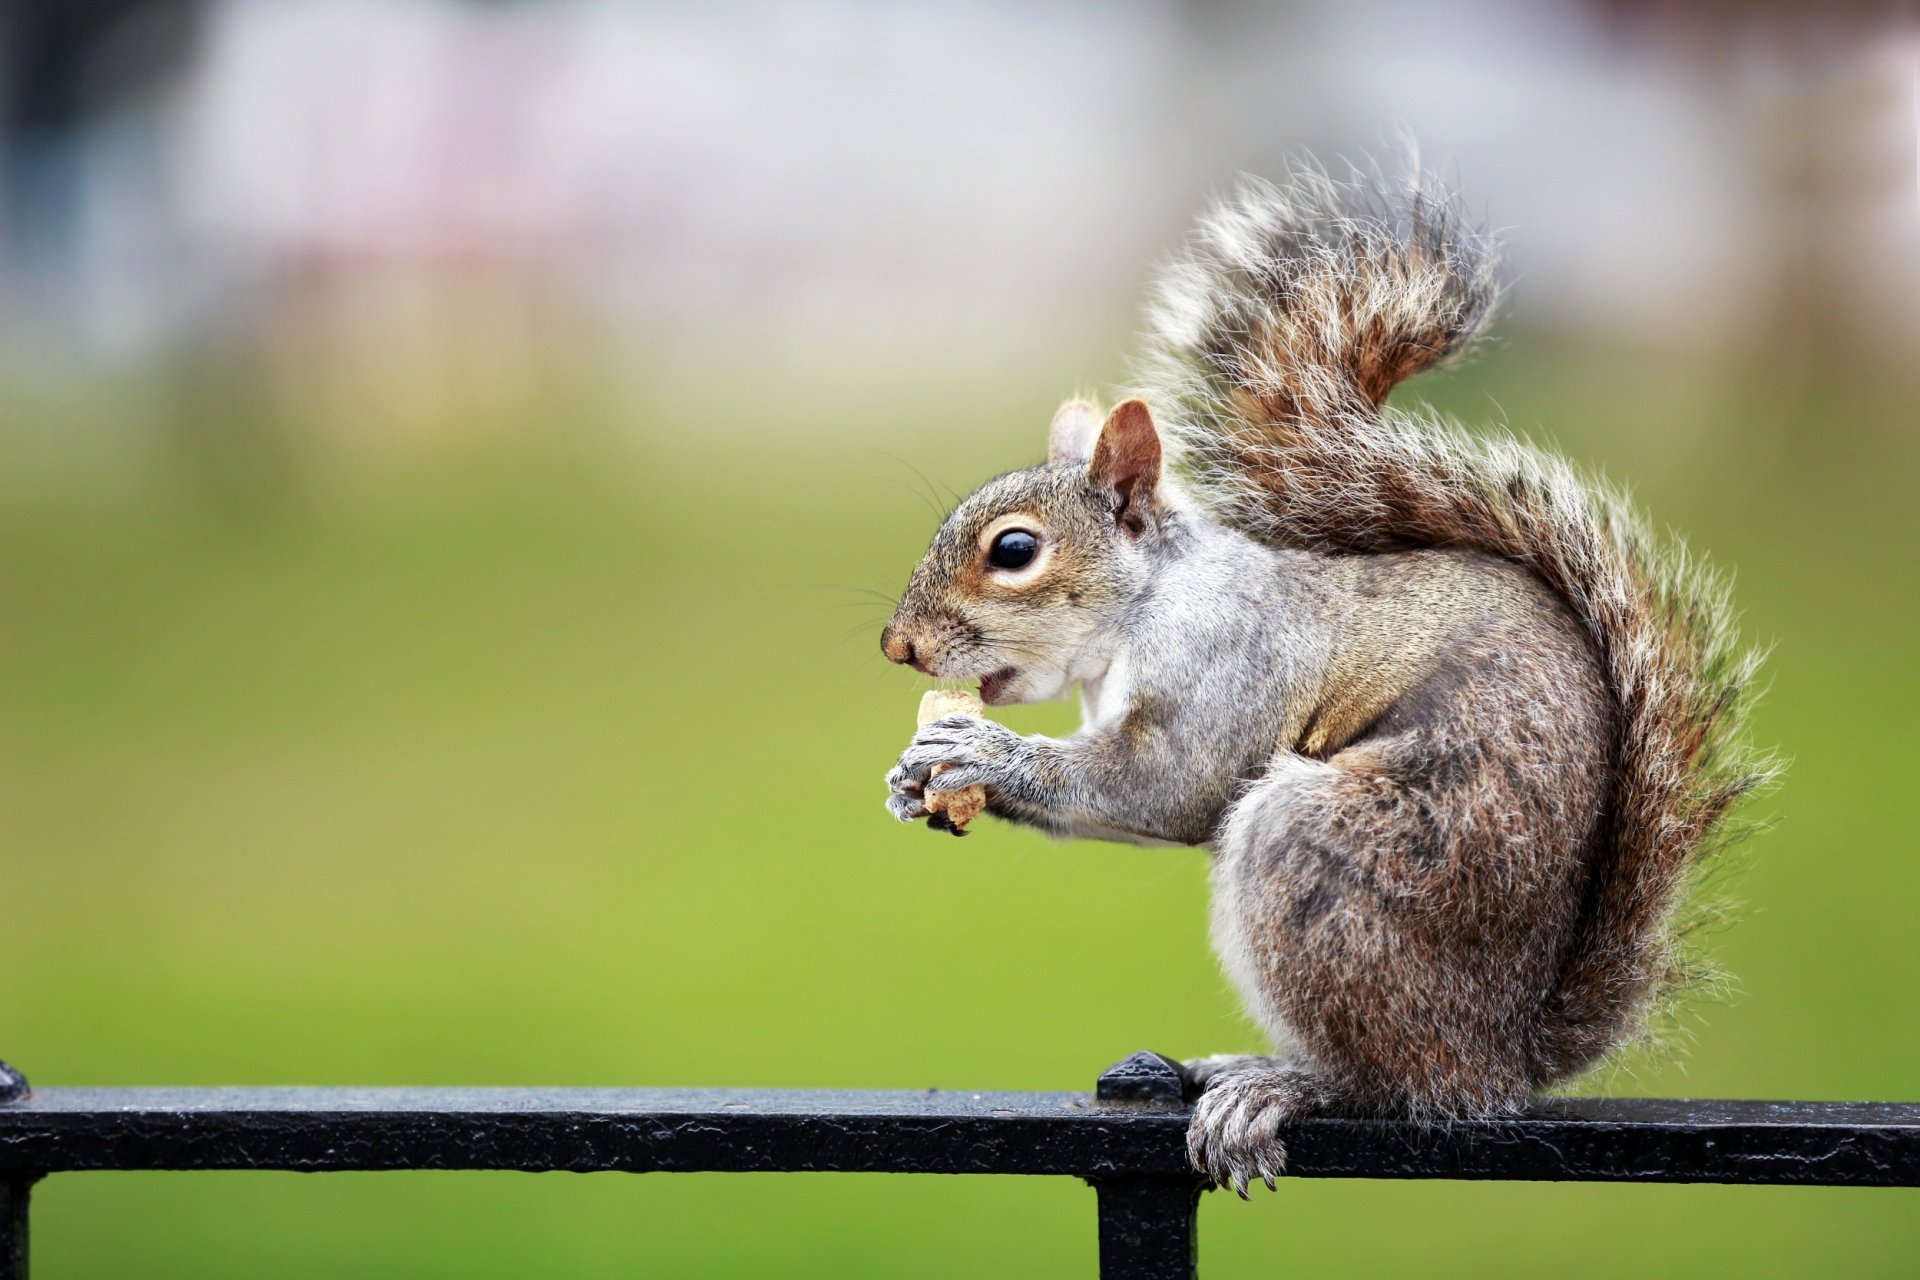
x=1456, y=731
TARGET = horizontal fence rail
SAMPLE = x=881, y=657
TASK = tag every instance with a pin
x=1128, y=1139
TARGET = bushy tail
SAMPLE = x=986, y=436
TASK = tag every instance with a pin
x=1273, y=344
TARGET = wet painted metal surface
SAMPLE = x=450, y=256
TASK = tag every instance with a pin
x=1127, y=1138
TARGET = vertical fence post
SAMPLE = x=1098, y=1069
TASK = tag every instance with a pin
x=13, y=1227
x=1147, y=1223
x=1147, y=1228
x=14, y=1192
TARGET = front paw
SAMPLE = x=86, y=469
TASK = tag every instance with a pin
x=965, y=751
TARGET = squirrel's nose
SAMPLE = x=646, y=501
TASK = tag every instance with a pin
x=896, y=646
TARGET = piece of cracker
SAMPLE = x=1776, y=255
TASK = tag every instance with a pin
x=964, y=805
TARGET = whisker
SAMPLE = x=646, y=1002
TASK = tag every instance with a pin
x=869, y=626
x=887, y=598
x=931, y=490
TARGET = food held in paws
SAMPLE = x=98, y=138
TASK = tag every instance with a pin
x=962, y=806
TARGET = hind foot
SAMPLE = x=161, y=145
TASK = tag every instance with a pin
x=1234, y=1135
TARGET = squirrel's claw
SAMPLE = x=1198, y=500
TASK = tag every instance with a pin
x=906, y=808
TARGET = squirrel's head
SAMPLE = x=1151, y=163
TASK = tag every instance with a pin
x=1026, y=580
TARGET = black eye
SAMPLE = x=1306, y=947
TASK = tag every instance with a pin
x=1013, y=549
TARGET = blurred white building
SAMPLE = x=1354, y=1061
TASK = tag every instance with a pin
x=416, y=185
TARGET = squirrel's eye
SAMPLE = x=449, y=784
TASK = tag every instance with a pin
x=1013, y=549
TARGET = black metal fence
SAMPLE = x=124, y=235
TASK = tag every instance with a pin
x=1127, y=1138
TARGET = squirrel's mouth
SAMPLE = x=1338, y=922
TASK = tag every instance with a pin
x=993, y=687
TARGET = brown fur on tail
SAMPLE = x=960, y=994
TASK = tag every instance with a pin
x=1275, y=342
x=1317, y=299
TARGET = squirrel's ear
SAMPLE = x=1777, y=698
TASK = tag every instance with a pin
x=1126, y=461
x=1070, y=438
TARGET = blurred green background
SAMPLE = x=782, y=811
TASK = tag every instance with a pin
x=434, y=712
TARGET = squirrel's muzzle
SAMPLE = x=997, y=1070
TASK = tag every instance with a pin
x=898, y=648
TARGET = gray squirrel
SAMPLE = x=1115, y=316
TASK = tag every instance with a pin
x=1455, y=731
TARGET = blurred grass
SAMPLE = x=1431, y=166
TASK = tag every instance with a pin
x=558, y=762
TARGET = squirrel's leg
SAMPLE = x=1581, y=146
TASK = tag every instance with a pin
x=1385, y=936
x=1245, y=1099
